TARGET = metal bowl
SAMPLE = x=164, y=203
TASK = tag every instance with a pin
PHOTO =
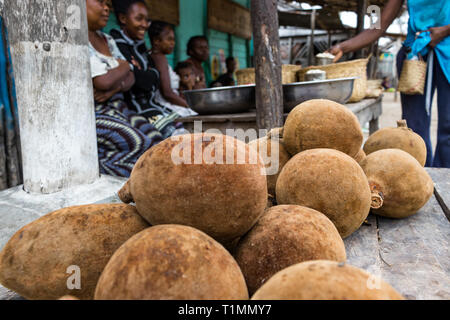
x=221, y=100
x=339, y=90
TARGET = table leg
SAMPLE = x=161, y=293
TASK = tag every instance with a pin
x=373, y=126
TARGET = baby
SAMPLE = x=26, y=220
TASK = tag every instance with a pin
x=187, y=76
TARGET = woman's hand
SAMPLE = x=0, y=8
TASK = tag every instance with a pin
x=337, y=52
x=102, y=96
x=135, y=63
x=438, y=34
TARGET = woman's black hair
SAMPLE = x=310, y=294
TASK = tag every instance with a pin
x=156, y=28
x=122, y=6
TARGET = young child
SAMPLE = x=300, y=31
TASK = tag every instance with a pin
x=162, y=38
x=187, y=76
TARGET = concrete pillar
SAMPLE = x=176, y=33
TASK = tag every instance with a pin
x=49, y=47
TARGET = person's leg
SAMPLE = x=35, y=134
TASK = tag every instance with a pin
x=442, y=155
x=143, y=124
x=414, y=112
x=119, y=144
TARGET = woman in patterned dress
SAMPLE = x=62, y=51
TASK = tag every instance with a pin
x=122, y=135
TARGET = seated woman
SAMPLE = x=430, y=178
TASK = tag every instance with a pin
x=134, y=21
x=122, y=135
x=162, y=38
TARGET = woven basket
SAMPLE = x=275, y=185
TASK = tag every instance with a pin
x=288, y=74
x=374, y=88
x=412, y=78
x=354, y=68
x=245, y=76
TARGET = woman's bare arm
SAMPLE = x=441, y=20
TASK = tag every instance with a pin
x=113, y=78
x=166, y=90
x=365, y=38
x=125, y=84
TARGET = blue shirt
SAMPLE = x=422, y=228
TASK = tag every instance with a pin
x=423, y=15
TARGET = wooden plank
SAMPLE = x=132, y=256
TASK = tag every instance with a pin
x=416, y=253
x=367, y=110
x=441, y=179
x=229, y=17
x=363, y=249
x=363, y=104
x=167, y=10
x=6, y=294
x=246, y=116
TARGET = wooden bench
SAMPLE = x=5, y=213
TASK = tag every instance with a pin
x=367, y=110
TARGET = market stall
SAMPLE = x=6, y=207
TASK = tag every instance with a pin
x=367, y=111
x=182, y=230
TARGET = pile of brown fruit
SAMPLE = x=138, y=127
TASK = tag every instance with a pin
x=202, y=226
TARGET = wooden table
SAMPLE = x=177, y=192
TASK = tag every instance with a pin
x=367, y=110
x=411, y=254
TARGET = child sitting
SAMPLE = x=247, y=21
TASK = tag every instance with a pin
x=187, y=76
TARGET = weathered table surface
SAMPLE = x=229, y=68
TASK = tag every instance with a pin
x=367, y=110
x=411, y=254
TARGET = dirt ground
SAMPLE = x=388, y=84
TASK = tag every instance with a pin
x=392, y=112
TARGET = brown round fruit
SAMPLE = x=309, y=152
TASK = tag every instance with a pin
x=284, y=236
x=68, y=298
x=41, y=259
x=171, y=262
x=268, y=148
x=330, y=182
x=322, y=124
x=325, y=280
x=401, y=138
x=214, y=183
x=360, y=156
x=401, y=180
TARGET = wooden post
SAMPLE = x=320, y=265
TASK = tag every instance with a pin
x=329, y=39
x=49, y=48
x=269, y=93
x=311, y=57
x=362, y=10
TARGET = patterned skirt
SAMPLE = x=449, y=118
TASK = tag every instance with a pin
x=122, y=137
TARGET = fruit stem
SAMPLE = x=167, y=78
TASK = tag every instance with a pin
x=125, y=194
x=275, y=132
x=402, y=124
x=377, y=200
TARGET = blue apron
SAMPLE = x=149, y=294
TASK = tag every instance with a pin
x=423, y=15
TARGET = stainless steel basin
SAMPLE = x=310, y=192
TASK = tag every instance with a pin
x=221, y=100
x=339, y=90
x=237, y=99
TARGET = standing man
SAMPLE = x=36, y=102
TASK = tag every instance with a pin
x=198, y=50
x=428, y=31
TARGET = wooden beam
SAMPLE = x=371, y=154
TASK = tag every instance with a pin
x=269, y=93
x=50, y=56
x=300, y=20
x=311, y=57
x=361, y=12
